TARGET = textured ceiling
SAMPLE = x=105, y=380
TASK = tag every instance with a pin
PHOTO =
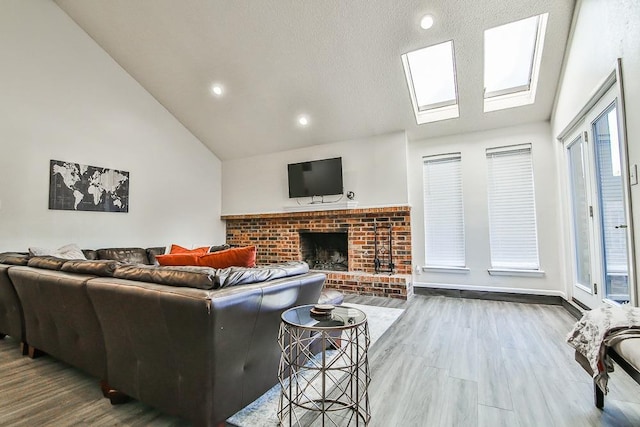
x=336, y=60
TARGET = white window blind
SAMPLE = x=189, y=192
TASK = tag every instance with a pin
x=512, y=210
x=443, y=211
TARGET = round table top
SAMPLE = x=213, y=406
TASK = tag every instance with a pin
x=341, y=317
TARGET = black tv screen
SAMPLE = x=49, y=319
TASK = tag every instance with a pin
x=315, y=178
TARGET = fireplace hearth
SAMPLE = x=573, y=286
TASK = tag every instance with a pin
x=325, y=250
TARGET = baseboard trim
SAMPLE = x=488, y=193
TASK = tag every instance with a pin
x=574, y=308
x=580, y=305
x=496, y=289
x=490, y=295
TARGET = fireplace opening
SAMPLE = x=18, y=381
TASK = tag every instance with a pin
x=325, y=251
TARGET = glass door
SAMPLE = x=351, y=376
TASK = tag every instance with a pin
x=611, y=200
x=598, y=198
x=585, y=290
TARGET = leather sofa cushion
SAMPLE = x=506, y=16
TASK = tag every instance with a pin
x=128, y=255
x=184, y=276
x=234, y=276
x=152, y=252
x=90, y=254
x=101, y=267
x=46, y=262
x=14, y=258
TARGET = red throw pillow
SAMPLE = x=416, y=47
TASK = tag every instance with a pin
x=177, y=249
x=178, y=259
x=234, y=257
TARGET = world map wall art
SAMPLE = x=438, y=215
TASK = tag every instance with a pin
x=73, y=186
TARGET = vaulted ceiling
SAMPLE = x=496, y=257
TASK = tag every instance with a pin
x=338, y=61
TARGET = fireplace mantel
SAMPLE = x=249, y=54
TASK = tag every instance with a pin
x=330, y=206
x=321, y=212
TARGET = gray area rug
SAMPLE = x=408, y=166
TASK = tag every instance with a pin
x=263, y=411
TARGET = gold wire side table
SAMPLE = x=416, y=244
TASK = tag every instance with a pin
x=324, y=369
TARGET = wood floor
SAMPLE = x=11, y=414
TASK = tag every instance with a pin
x=445, y=362
x=468, y=362
x=46, y=392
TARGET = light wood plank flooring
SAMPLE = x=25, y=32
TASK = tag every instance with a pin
x=445, y=362
x=468, y=362
x=46, y=392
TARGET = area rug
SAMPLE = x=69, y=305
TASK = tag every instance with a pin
x=263, y=411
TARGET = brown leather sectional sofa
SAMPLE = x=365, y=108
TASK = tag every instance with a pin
x=193, y=342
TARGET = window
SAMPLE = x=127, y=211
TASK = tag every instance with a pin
x=512, y=55
x=443, y=211
x=512, y=210
x=431, y=78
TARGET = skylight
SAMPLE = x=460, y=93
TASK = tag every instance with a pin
x=431, y=78
x=512, y=54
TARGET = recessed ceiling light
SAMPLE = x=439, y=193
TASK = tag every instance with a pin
x=217, y=89
x=303, y=120
x=426, y=22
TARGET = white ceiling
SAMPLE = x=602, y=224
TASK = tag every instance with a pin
x=336, y=60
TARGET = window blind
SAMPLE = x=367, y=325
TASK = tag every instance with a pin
x=512, y=210
x=443, y=211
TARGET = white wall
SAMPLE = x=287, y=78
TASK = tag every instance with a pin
x=62, y=97
x=472, y=147
x=604, y=31
x=373, y=168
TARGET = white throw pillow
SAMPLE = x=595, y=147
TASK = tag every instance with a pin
x=70, y=251
x=34, y=251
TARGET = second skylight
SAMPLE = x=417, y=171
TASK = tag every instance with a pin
x=512, y=54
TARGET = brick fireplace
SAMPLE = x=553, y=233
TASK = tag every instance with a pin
x=318, y=236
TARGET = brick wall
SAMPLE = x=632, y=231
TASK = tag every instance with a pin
x=277, y=238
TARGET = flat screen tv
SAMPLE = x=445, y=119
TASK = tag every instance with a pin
x=315, y=178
